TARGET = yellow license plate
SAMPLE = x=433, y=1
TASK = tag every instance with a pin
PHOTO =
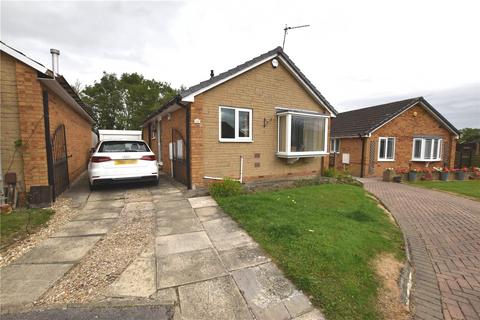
x=120, y=162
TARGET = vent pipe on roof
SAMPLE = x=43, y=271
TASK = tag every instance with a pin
x=55, y=67
x=212, y=74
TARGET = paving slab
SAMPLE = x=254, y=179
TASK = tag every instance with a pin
x=226, y=234
x=138, y=280
x=168, y=197
x=200, y=202
x=167, y=226
x=175, y=213
x=175, y=204
x=213, y=299
x=188, y=267
x=129, y=312
x=165, y=190
x=166, y=296
x=84, y=228
x=268, y=293
x=242, y=257
x=97, y=214
x=106, y=196
x=60, y=250
x=312, y=315
x=105, y=204
x=210, y=213
x=25, y=283
x=177, y=243
x=139, y=206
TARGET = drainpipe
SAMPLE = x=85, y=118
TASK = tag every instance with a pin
x=362, y=162
x=48, y=143
x=187, y=147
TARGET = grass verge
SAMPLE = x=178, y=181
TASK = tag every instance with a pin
x=13, y=226
x=469, y=188
x=325, y=238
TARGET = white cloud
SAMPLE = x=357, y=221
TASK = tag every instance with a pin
x=353, y=51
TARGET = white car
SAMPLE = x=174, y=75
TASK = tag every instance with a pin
x=122, y=161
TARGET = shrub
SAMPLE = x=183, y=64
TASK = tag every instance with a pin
x=330, y=172
x=226, y=188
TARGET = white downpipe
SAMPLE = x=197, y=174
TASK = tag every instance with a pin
x=241, y=169
x=241, y=173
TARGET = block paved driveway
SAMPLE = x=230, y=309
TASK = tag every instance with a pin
x=443, y=233
x=201, y=263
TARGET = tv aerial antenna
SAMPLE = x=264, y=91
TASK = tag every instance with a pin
x=285, y=31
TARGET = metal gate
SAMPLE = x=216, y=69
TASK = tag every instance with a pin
x=179, y=160
x=60, y=161
x=371, y=160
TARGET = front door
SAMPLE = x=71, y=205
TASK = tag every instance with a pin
x=179, y=161
x=159, y=143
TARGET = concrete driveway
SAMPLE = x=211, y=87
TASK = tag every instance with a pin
x=443, y=233
x=199, y=262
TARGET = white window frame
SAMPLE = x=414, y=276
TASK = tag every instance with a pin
x=334, y=145
x=386, y=148
x=288, y=136
x=236, y=138
x=422, y=150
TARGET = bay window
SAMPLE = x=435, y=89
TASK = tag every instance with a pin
x=386, y=149
x=427, y=149
x=301, y=134
x=235, y=124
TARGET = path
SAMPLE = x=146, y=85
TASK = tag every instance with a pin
x=201, y=262
x=443, y=233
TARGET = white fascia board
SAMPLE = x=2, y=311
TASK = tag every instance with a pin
x=426, y=108
x=53, y=85
x=307, y=87
x=29, y=62
x=191, y=97
x=172, y=108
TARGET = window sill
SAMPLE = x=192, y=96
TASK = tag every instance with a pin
x=235, y=140
x=425, y=160
x=300, y=155
x=386, y=160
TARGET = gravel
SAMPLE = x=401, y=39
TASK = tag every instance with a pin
x=63, y=213
x=132, y=234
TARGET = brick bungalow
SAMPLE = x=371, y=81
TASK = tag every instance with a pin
x=260, y=120
x=45, y=131
x=407, y=134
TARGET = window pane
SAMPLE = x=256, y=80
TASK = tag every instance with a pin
x=282, y=134
x=244, y=124
x=308, y=134
x=428, y=149
x=417, y=152
x=228, y=123
x=382, y=149
x=435, y=149
x=390, y=148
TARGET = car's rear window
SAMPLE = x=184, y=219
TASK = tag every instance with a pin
x=123, y=146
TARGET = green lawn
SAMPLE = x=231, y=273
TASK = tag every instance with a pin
x=324, y=238
x=13, y=226
x=469, y=188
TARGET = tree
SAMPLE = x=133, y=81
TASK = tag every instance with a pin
x=123, y=103
x=468, y=135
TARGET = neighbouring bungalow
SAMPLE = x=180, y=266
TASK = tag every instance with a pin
x=402, y=134
x=262, y=120
x=45, y=129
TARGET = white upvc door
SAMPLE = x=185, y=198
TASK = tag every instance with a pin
x=159, y=142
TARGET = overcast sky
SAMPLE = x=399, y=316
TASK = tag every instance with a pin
x=357, y=53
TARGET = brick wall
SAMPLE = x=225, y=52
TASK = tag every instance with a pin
x=260, y=89
x=403, y=129
x=27, y=123
x=177, y=121
x=30, y=105
x=10, y=122
x=77, y=131
x=352, y=146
